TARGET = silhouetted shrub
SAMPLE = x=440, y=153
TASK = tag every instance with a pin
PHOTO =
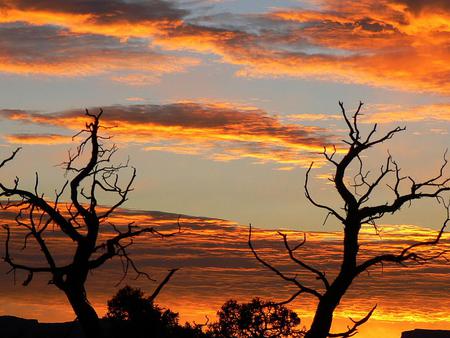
x=257, y=319
x=133, y=315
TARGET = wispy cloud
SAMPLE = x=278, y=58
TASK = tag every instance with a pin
x=135, y=99
x=56, y=51
x=43, y=139
x=383, y=43
x=113, y=18
x=385, y=113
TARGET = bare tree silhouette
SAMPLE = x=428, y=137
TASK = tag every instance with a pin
x=355, y=213
x=81, y=220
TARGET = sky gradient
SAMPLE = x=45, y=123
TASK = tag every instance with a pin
x=222, y=105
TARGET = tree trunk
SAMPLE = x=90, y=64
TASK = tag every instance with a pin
x=323, y=318
x=87, y=317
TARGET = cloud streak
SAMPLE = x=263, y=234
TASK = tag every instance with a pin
x=42, y=139
x=386, y=113
x=112, y=18
x=221, y=131
x=57, y=51
x=217, y=265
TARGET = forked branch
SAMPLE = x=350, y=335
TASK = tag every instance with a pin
x=302, y=288
x=319, y=275
x=408, y=253
x=352, y=330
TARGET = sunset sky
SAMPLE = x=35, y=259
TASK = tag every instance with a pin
x=222, y=105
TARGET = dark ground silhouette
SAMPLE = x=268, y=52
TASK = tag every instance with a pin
x=420, y=333
x=14, y=327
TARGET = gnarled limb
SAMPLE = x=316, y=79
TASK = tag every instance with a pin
x=302, y=288
x=354, y=328
x=408, y=253
x=330, y=210
x=319, y=274
x=10, y=158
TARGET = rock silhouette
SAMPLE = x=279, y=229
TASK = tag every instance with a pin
x=15, y=327
x=421, y=333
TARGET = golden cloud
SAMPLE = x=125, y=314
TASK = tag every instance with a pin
x=43, y=139
x=221, y=131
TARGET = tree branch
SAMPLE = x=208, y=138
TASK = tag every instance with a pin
x=293, y=280
x=161, y=285
x=319, y=275
x=322, y=206
x=354, y=329
x=407, y=254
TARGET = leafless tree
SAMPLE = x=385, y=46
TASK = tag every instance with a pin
x=357, y=211
x=81, y=220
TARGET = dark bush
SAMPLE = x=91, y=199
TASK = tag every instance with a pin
x=131, y=314
x=257, y=319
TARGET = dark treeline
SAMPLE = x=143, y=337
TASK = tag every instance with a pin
x=132, y=314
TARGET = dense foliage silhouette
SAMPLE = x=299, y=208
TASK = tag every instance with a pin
x=134, y=315
x=256, y=319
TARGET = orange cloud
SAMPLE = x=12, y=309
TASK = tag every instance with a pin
x=217, y=265
x=44, y=139
x=112, y=18
x=137, y=79
x=220, y=131
x=379, y=39
x=393, y=113
x=374, y=43
x=135, y=99
x=399, y=44
x=86, y=38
